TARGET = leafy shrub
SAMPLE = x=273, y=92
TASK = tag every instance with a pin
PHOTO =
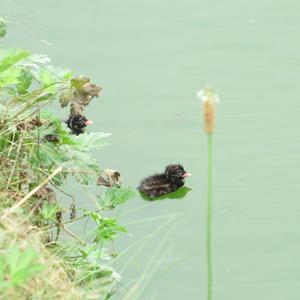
x=38, y=154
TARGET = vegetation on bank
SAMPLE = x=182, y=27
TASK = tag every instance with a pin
x=38, y=157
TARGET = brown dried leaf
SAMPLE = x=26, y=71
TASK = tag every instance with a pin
x=110, y=178
x=92, y=89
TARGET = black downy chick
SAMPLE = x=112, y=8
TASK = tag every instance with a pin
x=161, y=184
x=77, y=123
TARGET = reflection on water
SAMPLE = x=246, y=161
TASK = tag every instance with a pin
x=150, y=57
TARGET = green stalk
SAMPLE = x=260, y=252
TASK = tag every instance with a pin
x=209, y=217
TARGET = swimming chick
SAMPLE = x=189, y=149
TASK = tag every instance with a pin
x=77, y=123
x=161, y=184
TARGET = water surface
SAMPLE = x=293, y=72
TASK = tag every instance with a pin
x=151, y=57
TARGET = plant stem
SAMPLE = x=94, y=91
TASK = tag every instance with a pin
x=74, y=235
x=209, y=217
x=31, y=193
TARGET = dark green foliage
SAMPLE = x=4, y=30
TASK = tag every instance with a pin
x=25, y=80
x=107, y=228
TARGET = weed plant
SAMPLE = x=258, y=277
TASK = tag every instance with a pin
x=38, y=154
x=209, y=99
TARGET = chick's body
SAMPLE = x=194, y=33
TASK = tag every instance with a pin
x=77, y=123
x=158, y=185
x=161, y=184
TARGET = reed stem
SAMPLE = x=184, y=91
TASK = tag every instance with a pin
x=209, y=217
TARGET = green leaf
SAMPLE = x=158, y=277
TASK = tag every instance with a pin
x=49, y=211
x=50, y=77
x=47, y=155
x=107, y=228
x=25, y=80
x=179, y=194
x=55, y=126
x=48, y=80
x=21, y=264
x=88, y=141
x=12, y=259
x=45, y=114
x=10, y=77
x=115, y=196
x=11, y=58
x=85, y=168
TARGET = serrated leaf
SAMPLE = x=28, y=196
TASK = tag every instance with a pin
x=116, y=196
x=11, y=58
x=47, y=155
x=88, y=141
x=10, y=77
x=85, y=169
x=25, y=80
x=52, y=78
x=47, y=80
x=35, y=62
x=107, y=229
x=55, y=126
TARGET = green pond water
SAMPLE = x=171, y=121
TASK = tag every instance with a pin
x=151, y=57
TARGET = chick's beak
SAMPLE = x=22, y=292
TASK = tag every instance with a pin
x=186, y=174
x=88, y=122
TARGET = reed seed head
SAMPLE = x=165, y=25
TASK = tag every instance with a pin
x=209, y=99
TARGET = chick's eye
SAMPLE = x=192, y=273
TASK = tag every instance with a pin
x=80, y=121
x=179, y=174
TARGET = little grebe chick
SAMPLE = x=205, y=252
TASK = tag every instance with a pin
x=161, y=184
x=77, y=123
